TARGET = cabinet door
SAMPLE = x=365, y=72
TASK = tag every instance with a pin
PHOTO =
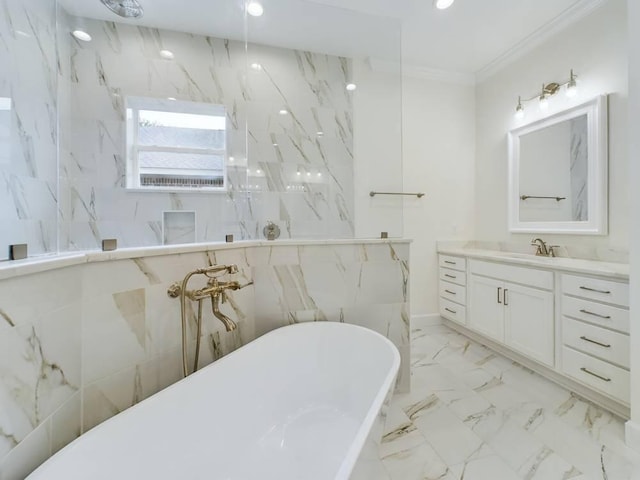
x=529, y=325
x=486, y=311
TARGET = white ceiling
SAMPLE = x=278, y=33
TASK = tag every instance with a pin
x=468, y=38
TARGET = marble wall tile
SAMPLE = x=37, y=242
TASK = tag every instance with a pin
x=66, y=423
x=28, y=455
x=316, y=136
x=29, y=86
x=102, y=336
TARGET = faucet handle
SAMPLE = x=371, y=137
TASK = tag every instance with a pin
x=223, y=296
x=552, y=251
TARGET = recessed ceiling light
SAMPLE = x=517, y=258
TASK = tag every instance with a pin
x=81, y=35
x=256, y=66
x=283, y=112
x=351, y=87
x=173, y=99
x=275, y=144
x=231, y=159
x=442, y=4
x=320, y=134
x=167, y=54
x=255, y=9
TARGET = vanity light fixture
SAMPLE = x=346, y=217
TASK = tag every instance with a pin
x=255, y=9
x=81, y=35
x=519, y=109
x=443, y=4
x=572, y=87
x=544, y=98
x=548, y=90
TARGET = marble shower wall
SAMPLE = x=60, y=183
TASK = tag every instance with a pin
x=365, y=285
x=28, y=126
x=81, y=343
x=294, y=169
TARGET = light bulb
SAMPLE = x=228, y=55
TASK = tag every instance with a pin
x=519, y=109
x=442, y=4
x=255, y=9
x=544, y=102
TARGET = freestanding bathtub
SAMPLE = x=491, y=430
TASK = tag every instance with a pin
x=296, y=404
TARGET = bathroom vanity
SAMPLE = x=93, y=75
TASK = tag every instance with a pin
x=567, y=319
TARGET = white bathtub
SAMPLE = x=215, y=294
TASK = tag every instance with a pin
x=297, y=403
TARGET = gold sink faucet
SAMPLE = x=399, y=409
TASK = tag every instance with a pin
x=542, y=249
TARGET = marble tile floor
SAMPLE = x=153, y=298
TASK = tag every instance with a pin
x=475, y=415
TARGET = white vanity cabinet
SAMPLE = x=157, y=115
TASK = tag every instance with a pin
x=452, y=288
x=595, y=333
x=546, y=314
x=514, y=306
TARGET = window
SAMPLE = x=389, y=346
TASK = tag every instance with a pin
x=175, y=145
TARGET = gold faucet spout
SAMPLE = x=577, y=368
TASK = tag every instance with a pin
x=229, y=324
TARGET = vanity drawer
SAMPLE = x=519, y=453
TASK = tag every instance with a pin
x=453, y=292
x=607, y=378
x=455, y=263
x=453, y=276
x=596, y=289
x=453, y=311
x=598, y=313
x=531, y=277
x=605, y=344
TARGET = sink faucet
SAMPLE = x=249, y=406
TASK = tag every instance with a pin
x=542, y=249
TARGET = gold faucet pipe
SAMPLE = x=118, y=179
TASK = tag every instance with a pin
x=183, y=317
x=214, y=290
x=198, y=334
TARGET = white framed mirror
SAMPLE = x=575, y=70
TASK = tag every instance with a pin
x=558, y=172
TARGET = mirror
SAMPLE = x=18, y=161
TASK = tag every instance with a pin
x=558, y=172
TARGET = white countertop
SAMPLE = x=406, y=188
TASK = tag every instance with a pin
x=42, y=263
x=574, y=265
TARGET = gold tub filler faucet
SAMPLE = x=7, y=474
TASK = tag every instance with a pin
x=215, y=290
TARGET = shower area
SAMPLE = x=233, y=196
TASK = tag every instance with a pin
x=185, y=123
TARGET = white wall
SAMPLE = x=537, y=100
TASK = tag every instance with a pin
x=596, y=48
x=634, y=219
x=438, y=159
x=377, y=143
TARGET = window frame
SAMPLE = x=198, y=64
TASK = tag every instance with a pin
x=133, y=106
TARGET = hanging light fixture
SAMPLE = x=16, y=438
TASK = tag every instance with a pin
x=548, y=91
x=572, y=87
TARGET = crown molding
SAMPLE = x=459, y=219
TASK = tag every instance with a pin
x=571, y=15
